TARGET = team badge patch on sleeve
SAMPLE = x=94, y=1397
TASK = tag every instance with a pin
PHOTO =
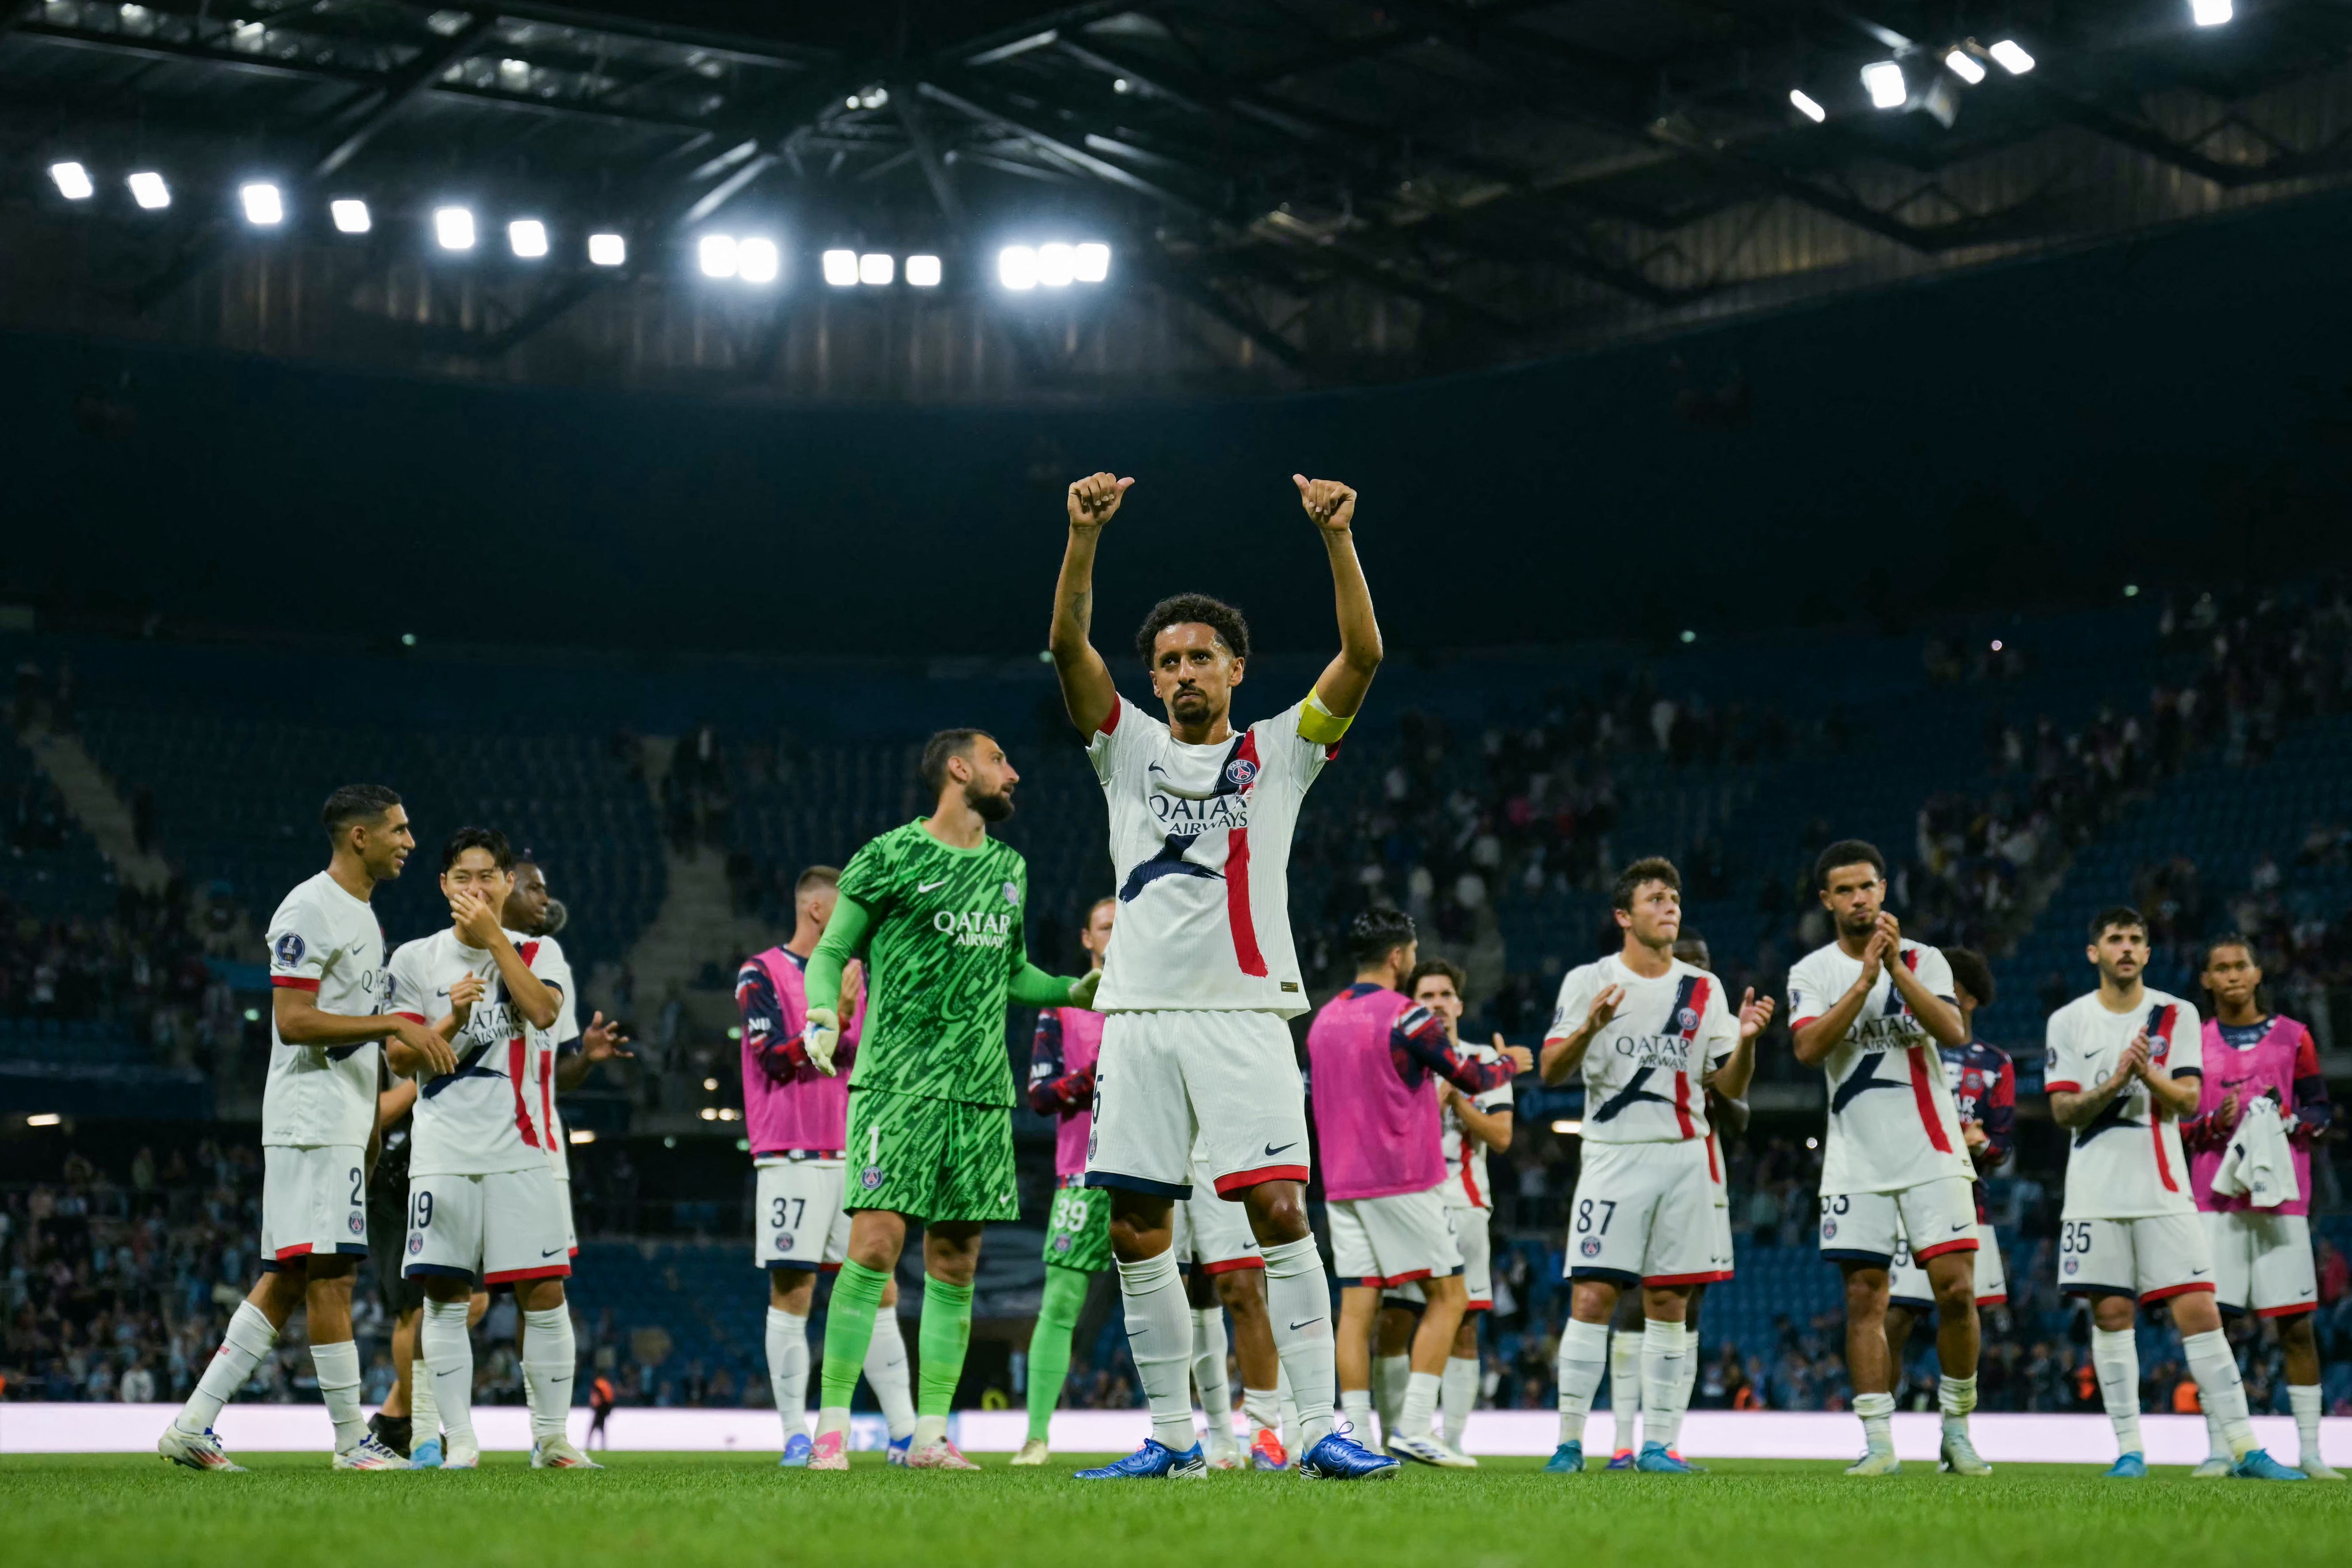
x=290, y=949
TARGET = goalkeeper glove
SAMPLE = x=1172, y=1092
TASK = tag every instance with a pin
x=819, y=1037
x=1082, y=989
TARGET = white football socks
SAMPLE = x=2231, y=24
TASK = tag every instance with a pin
x=1955, y=1397
x=2304, y=1399
x=2115, y=1356
x=1625, y=1384
x=1355, y=1410
x=1457, y=1395
x=1290, y=1403
x=248, y=1339
x=1877, y=1413
x=1212, y=1381
x=446, y=1350
x=1420, y=1409
x=1389, y=1375
x=2217, y=1442
x=1299, y=1303
x=424, y=1404
x=550, y=1359
x=886, y=1372
x=2215, y=1367
x=1159, y=1342
x=1584, y=1357
x=1262, y=1408
x=788, y=1369
x=337, y=1367
x=1665, y=1350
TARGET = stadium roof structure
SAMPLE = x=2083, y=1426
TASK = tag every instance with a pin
x=1294, y=192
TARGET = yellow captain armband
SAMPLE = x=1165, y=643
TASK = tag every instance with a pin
x=1319, y=724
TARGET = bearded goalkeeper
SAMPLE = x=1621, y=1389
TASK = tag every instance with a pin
x=936, y=909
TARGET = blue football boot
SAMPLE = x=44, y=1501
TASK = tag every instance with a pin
x=1155, y=1461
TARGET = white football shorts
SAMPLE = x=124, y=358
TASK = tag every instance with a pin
x=491, y=1229
x=1644, y=1214
x=1908, y=1282
x=1227, y=1080
x=313, y=1199
x=2262, y=1262
x=1393, y=1241
x=798, y=1221
x=1939, y=1217
x=2152, y=1258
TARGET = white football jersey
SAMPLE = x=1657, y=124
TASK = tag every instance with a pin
x=2127, y=1164
x=1643, y=1070
x=1200, y=838
x=1465, y=1158
x=1892, y=1124
x=492, y=1114
x=324, y=941
x=553, y=967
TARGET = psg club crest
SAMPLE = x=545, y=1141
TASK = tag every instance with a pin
x=290, y=949
x=1012, y=894
x=1240, y=771
x=784, y=1242
x=1829, y=1230
x=1589, y=1246
x=870, y=1178
x=416, y=1245
x=2073, y=1265
x=359, y=1225
x=1062, y=1242
x=1686, y=1020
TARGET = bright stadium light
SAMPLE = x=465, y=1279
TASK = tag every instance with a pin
x=1090, y=263
x=1806, y=106
x=1058, y=264
x=1963, y=65
x=1883, y=79
x=607, y=249
x=528, y=237
x=2010, y=57
x=1016, y=267
x=148, y=189
x=716, y=254
x=264, y=206
x=43, y=1118
x=2210, y=13
x=840, y=269
x=454, y=227
x=73, y=182
x=1568, y=1128
x=758, y=261
x=351, y=215
x=876, y=269
x=923, y=271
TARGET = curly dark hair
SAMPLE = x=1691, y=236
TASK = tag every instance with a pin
x=1377, y=933
x=1178, y=609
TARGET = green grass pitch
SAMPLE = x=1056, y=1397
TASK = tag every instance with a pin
x=652, y=1510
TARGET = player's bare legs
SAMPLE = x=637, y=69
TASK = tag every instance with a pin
x=1392, y=1361
x=1584, y=1355
x=1867, y=1362
x=2211, y=1362
x=251, y=1334
x=793, y=1293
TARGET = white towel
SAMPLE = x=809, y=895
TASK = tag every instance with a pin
x=2258, y=1162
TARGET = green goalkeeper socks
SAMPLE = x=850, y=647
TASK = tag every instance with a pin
x=946, y=1334
x=849, y=1330
x=1049, y=1344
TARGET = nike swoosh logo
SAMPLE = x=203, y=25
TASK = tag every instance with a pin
x=551, y=1252
x=1271, y=1152
x=1958, y=1228
x=1302, y=1324
x=2194, y=1272
x=928, y=886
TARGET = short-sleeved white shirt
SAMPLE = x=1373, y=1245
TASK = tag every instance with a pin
x=324, y=941
x=1465, y=1158
x=1200, y=838
x=553, y=966
x=1643, y=1070
x=491, y=1114
x=1891, y=1124
x=2127, y=1164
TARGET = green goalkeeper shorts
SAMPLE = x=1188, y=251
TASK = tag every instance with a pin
x=1078, y=1234
x=935, y=1160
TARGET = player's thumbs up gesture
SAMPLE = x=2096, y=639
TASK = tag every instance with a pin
x=1755, y=1012
x=1331, y=504
x=1094, y=501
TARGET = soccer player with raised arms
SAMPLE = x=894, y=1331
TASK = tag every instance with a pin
x=1201, y=974
x=331, y=999
x=2123, y=1071
x=1874, y=1010
x=936, y=908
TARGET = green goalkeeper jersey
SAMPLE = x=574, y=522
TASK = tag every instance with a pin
x=941, y=952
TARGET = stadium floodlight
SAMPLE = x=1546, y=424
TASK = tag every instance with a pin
x=840, y=267
x=351, y=215
x=757, y=260
x=454, y=227
x=1016, y=267
x=528, y=237
x=72, y=181
x=1806, y=106
x=264, y=207
x=716, y=254
x=148, y=189
x=2011, y=59
x=876, y=269
x=1568, y=1127
x=923, y=271
x=1883, y=79
x=1963, y=65
x=607, y=249
x=1058, y=264
x=1090, y=262
x=2210, y=13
